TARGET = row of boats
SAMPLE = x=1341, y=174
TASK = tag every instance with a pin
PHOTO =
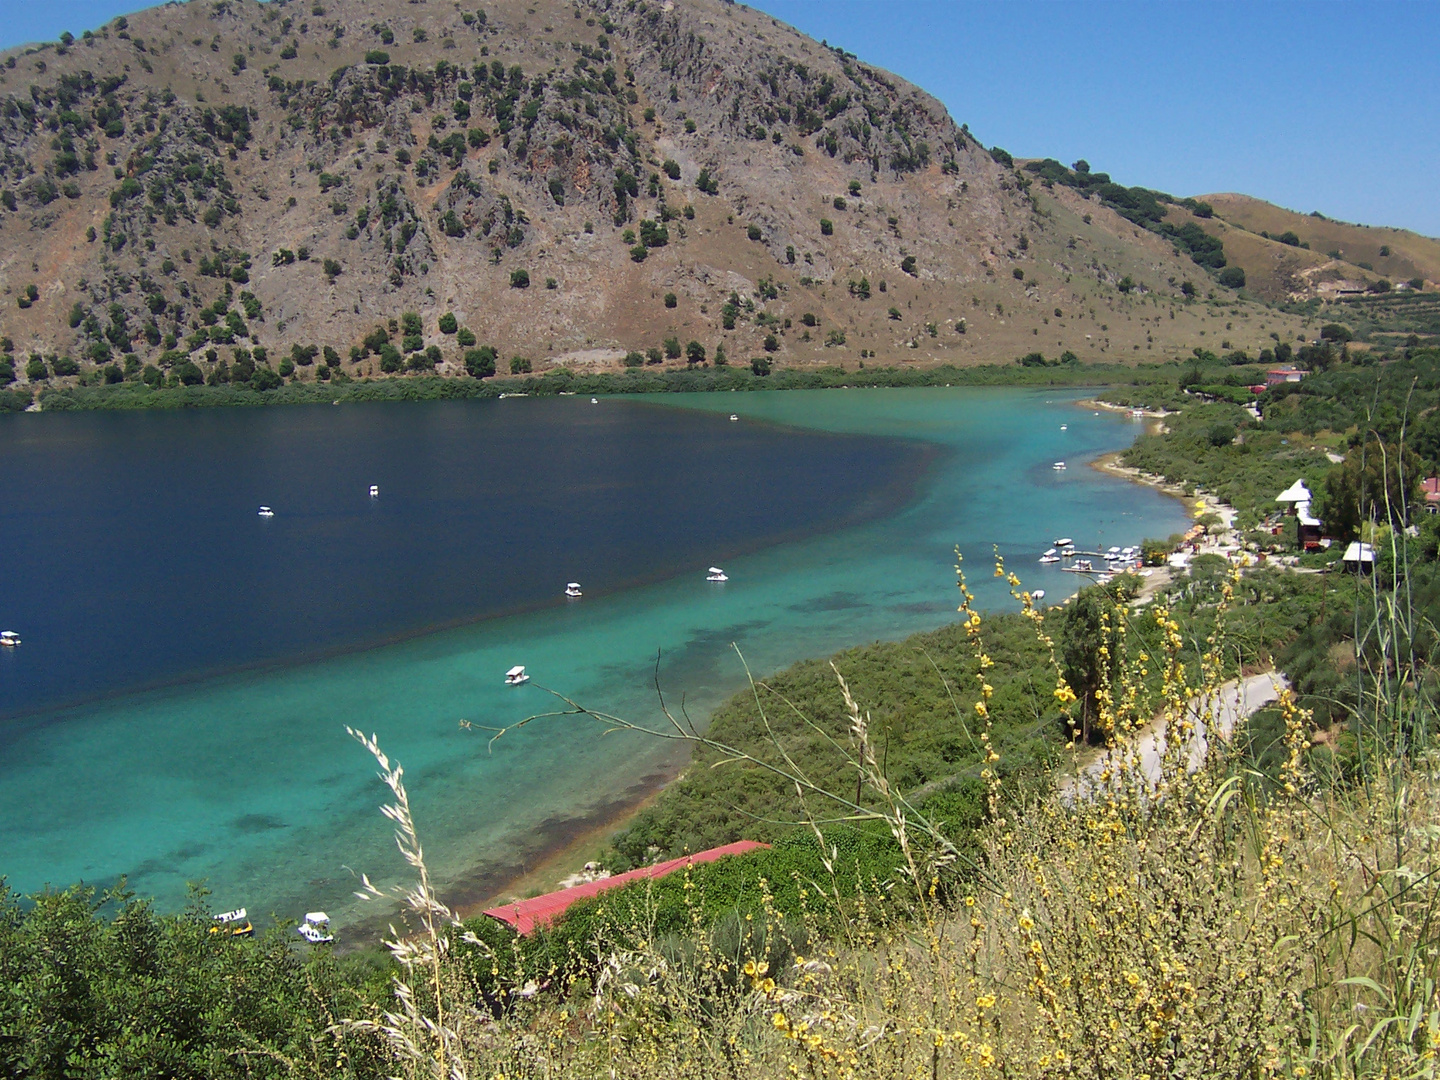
x=1104, y=564
x=315, y=929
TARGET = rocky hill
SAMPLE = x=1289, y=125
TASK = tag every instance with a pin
x=343, y=188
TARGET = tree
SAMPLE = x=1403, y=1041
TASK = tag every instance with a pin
x=720, y=358
x=827, y=227
x=670, y=300
x=1335, y=332
x=1220, y=435
x=1127, y=283
x=1018, y=274
x=672, y=348
x=760, y=365
x=633, y=359
x=907, y=264
x=672, y=169
x=520, y=365
x=694, y=353
x=1082, y=166
x=639, y=253
x=753, y=232
x=464, y=337
x=265, y=379
x=1089, y=658
x=519, y=279
x=448, y=323
x=654, y=356
x=1377, y=482
x=35, y=369
x=1232, y=277
x=771, y=343
x=332, y=269
x=480, y=363
x=1187, y=288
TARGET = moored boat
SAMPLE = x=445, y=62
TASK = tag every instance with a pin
x=236, y=923
x=516, y=676
x=9, y=639
x=573, y=589
x=1058, y=466
x=266, y=512
x=716, y=574
x=316, y=928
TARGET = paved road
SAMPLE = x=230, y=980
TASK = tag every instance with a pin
x=1233, y=702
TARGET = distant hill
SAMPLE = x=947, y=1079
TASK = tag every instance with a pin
x=1336, y=250
x=208, y=190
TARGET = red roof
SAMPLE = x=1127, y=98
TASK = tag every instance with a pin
x=1431, y=486
x=526, y=915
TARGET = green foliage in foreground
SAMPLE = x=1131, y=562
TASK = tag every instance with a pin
x=102, y=987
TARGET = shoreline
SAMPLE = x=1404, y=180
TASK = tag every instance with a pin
x=565, y=857
x=563, y=381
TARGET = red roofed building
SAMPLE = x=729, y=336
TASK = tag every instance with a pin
x=1431, y=487
x=540, y=911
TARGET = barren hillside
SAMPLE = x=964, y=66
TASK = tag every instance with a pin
x=234, y=183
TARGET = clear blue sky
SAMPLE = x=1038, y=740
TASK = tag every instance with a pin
x=1316, y=106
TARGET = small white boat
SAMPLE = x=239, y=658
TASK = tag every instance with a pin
x=1049, y=558
x=1068, y=550
x=9, y=639
x=573, y=589
x=1064, y=541
x=317, y=918
x=1064, y=427
x=594, y=401
x=1058, y=466
x=374, y=491
x=734, y=416
x=516, y=676
x=1048, y=551
x=1038, y=594
x=235, y=923
x=315, y=935
x=1112, y=550
x=716, y=574
x=266, y=512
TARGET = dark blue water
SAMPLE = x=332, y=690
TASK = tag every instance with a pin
x=136, y=555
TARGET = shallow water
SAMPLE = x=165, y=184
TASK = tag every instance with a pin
x=247, y=779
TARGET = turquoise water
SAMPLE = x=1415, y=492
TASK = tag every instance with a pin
x=249, y=781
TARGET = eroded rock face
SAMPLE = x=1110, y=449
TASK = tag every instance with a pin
x=200, y=179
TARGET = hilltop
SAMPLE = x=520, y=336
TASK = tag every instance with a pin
x=243, y=184
x=1293, y=256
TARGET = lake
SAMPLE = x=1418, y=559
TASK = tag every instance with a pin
x=177, y=709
